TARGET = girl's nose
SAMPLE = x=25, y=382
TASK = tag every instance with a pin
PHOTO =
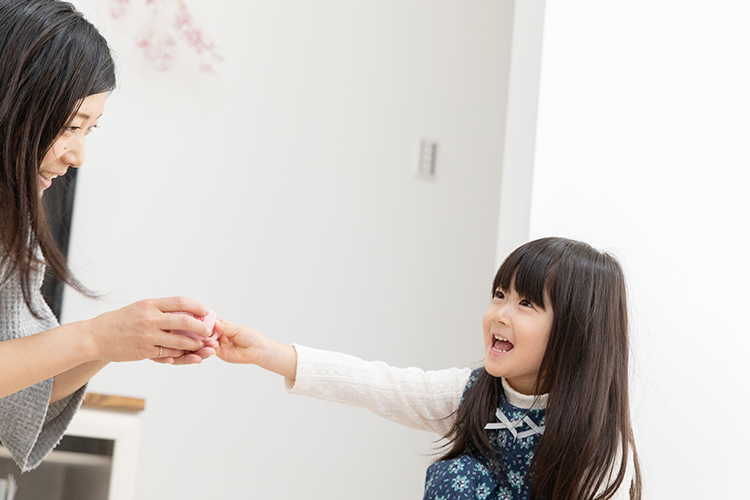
x=500, y=315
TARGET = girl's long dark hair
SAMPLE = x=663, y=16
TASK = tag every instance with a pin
x=51, y=58
x=588, y=433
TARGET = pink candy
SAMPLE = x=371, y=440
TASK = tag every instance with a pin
x=208, y=319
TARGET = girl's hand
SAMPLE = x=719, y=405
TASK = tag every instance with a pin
x=240, y=344
x=143, y=331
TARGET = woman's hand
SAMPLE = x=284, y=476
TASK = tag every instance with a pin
x=240, y=344
x=143, y=331
x=72, y=353
x=188, y=357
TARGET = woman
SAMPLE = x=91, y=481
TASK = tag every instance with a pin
x=56, y=71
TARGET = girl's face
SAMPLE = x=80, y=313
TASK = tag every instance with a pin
x=515, y=338
x=69, y=149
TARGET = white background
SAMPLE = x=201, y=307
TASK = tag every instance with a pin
x=643, y=149
x=281, y=192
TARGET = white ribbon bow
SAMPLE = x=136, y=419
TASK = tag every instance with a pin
x=505, y=423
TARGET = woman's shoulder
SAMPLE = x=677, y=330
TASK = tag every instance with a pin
x=7, y=276
x=9, y=273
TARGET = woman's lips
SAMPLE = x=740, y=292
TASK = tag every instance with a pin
x=44, y=183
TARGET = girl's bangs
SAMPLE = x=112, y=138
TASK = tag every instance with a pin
x=529, y=270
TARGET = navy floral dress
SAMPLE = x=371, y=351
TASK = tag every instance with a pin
x=514, y=436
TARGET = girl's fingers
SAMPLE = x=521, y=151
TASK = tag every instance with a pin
x=221, y=326
x=226, y=329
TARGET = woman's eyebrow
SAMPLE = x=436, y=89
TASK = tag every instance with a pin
x=87, y=117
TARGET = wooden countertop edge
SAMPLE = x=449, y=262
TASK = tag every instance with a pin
x=109, y=402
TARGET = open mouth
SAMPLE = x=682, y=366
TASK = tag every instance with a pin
x=501, y=344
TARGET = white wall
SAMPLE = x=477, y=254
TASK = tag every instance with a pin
x=281, y=193
x=642, y=148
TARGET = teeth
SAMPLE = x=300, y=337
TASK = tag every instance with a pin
x=498, y=337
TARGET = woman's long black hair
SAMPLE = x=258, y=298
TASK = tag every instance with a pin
x=588, y=434
x=51, y=59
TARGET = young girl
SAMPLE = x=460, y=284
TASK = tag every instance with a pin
x=55, y=73
x=547, y=417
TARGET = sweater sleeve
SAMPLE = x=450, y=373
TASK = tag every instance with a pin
x=425, y=400
x=29, y=426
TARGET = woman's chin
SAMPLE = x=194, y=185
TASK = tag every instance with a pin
x=44, y=183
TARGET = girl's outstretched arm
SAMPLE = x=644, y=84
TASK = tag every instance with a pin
x=240, y=344
x=408, y=396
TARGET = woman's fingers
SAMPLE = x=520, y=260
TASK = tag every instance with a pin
x=185, y=322
x=178, y=342
x=205, y=352
x=211, y=342
x=181, y=357
x=166, y=352
x=138, y=331
x=180, y=304
x=188, y=359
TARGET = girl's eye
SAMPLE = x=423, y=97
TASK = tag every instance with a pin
x=526, y=303
x=499, y=294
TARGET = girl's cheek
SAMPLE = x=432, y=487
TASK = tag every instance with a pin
x=487, y=321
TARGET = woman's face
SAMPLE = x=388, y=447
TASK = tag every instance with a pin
x=516, y=332
x=69, y=149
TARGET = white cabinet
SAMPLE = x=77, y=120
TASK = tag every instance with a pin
x=96, y=460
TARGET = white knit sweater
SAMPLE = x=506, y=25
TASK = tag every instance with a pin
x=424, y=400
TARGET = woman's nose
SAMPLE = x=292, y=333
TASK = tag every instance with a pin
x=75, y=151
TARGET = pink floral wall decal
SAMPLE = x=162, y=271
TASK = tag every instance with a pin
x=169, y=27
